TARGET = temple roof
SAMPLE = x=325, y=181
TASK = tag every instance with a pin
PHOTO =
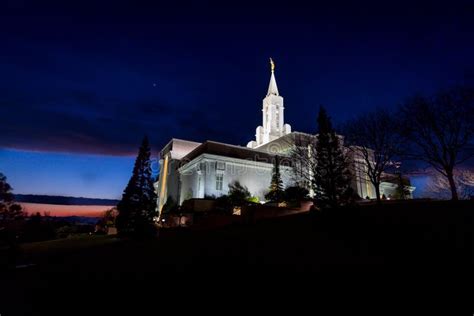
x=272, y=86
x=232, y=151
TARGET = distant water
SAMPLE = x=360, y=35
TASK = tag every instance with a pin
x=66, y=210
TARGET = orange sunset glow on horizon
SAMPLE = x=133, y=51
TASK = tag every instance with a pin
x=66, y=210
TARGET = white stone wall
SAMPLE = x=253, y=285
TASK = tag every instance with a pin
x=256, y=176
x=169, y=181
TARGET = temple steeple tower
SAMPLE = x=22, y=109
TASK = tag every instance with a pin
x=273, y=125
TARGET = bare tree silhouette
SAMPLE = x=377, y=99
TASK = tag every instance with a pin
x=375, y=142
x=439, y=130
x=438, y=185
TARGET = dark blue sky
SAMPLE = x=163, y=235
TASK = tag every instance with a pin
x=93, y=79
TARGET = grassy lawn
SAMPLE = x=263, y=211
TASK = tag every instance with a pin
x=66, y=244
x=404, y=239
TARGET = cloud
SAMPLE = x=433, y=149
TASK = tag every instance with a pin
x=84, y=122
x=63, y=101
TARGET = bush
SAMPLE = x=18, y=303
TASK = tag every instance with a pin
x=146, y=230
x=224, y=204
x=350, y=196
x=170, y=207
x=253, y=199
x=238, y=194
x=295, y=194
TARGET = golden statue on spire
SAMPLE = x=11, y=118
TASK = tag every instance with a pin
x=272, y=64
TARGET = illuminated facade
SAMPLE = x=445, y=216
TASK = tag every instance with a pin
x=197, y=170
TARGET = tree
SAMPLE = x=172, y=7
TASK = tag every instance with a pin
x=9, y=210
x=331, y=174
x=276, y=186
x=440, y=129
x=295, y=194
x=302, y=156
x=137, y=209
x=402, y=192
x=374, y=141
x=238, y=194
x=38, y=228
x=170, y=207
x=110, y=216
x=107, y=221
x=438, y=185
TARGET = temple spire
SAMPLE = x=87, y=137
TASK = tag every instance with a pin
x=273, y=120
x=272, y=87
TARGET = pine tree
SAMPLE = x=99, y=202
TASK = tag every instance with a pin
x=9, y=210
x=331, y=180
x=276, y=186
x=137, y=209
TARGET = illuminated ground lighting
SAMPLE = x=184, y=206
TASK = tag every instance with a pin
x=237, y=210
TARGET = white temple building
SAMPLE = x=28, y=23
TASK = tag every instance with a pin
x=196, y=170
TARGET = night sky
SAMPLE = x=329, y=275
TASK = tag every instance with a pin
x=81, y=84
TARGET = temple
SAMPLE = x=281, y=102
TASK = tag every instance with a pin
x=190, y=169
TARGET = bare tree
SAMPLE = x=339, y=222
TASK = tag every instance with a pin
x=440, y=130
x=375, y=142
x=303, y=158
x=438, y=185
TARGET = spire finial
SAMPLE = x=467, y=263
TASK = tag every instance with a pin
x=272, y=87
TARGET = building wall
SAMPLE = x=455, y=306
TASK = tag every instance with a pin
x=172, y=182
x=256, y=176
x=197, y=178
x=168, y=183
x=390, y=190
x=361, y=182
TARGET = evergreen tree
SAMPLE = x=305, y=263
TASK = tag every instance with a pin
x=9, y=210
x=276, y=186
x=331, y=180
x=137, y=209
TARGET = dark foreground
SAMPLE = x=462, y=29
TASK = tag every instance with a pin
x=419, y=245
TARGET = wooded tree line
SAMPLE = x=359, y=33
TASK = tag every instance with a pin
x=436, y=131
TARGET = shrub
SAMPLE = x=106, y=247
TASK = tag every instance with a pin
x=170, y=207
x=295, y=194
x=224, y=204
x=238, y=194
x=253, y=199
